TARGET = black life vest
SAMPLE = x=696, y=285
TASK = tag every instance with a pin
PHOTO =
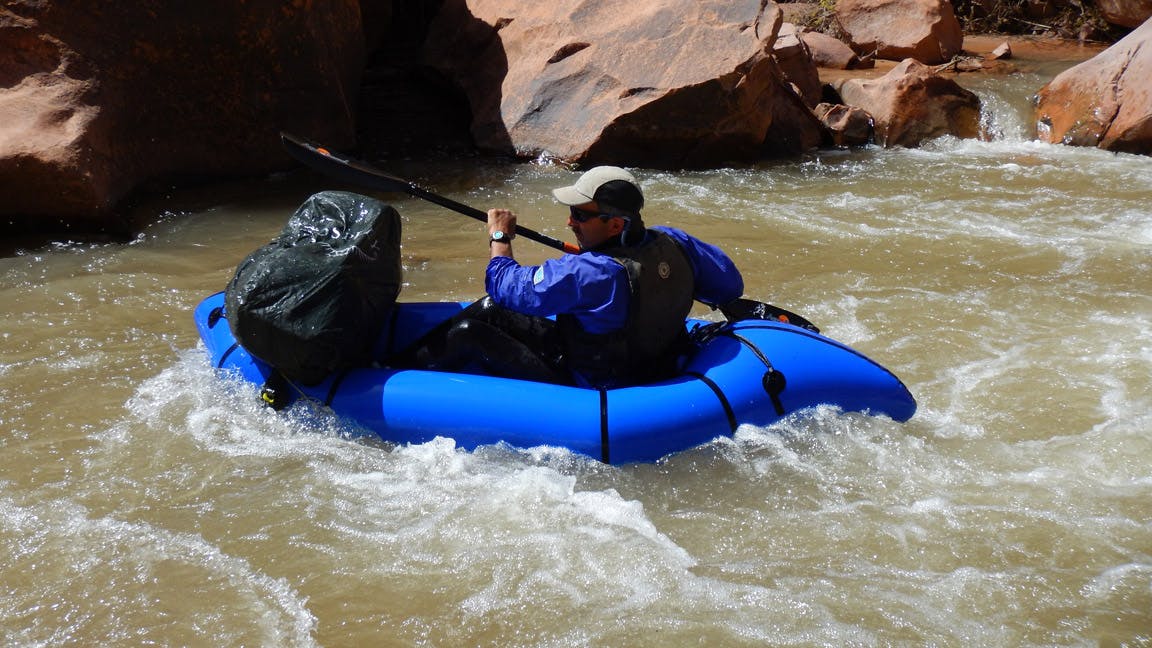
x=661, y=287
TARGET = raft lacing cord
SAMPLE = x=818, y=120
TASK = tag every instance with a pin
x=720, y=396
x=269, y=395
x=773, y=381
x=214, y=317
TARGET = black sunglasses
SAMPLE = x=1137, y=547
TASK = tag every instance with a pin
x=582, y=216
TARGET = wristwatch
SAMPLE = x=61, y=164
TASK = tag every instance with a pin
x=500, y=237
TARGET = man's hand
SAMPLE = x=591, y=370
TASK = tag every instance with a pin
x=501, y=220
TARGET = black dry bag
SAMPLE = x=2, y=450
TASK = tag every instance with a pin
x=315, y=299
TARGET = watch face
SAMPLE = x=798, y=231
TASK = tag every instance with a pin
x=498, y=236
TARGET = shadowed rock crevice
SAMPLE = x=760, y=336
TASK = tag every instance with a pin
x=566, y=51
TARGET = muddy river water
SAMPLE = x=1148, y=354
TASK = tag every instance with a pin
x=143, y=500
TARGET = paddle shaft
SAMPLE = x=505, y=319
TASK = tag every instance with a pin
x=356, y=172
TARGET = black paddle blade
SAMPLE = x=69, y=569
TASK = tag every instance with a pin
x=747, y=309
x=335, y=165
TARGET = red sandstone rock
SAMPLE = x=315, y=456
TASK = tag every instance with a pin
x=662, y=83
x=828, y=52
x=102, y=97
x=848, y=125
x=926, y=30
x=1002, y=51
x=1126, y=13
x=795, y=61
x=1105, y=101
x=912, y=104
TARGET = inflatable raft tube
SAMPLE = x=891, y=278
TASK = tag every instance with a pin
x=748, y=372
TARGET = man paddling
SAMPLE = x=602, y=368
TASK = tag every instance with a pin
x=619, y=304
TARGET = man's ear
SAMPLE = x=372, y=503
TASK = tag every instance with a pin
x=617, y=225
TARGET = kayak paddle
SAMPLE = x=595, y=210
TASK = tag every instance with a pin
x=356, y=172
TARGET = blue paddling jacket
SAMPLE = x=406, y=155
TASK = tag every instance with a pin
x=619, y=310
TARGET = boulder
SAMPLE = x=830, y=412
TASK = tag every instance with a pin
x=848, y=125
x=1002, y=51
x=926, y=30
x=1105, y=101
x=1125, y=13
x=829, y=52
x=912, y=103
x=99, y=99
x=795, y=61
x=663, y=84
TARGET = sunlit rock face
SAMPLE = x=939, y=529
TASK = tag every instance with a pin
x=1105, y=101
x=666, y=84
x=912, y=103
x=926, y=30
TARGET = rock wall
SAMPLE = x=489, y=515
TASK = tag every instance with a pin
x=102, y=98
